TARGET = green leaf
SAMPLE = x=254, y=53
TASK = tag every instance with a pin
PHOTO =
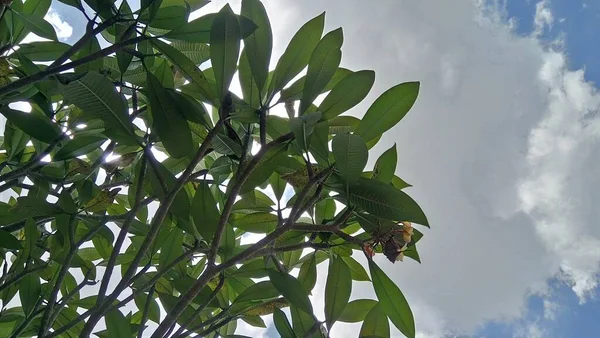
x=302, y=322
x=303, y=127
x=259, y=291
x=171, y=248
x=204, y=211
x=308, y=274
x=323, y=63
x=37, y=8
x=298, y=53
x=351, y=155
x=153, y=310
x=347, y=93
x=43, y=50
x=29, y=291
x=169, y=123
x=319, y=144
x=294, y=91
x=250, y=90
x=357, y=310
x=199, y=30
x=357, y=271
x=78, y=146
x=392, y=301
x=117, y=325
x=187, y=67
x=37, y=25
x=259, y=44
x=225, y=38
x=388, y=110
x=90, y=47
x=385, y=201
x=8, y=241
x=337, y=290
x=376, y=324
x=97, y=97
x=259, y=222
x=35, y=125
x=291, y=289
x=385, y=167
x=168, y=17
x=196, y=52
x=283, y=326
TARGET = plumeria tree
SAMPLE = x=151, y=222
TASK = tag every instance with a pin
x=143, y=196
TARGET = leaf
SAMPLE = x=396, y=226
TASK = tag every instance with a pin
x=388, y=110
x=196, y=52
x=259, y=44
x=37, y=25
x=392, y=301
x=199, y=30
x=204, y=211
x=90, y=47
x=35, y=125
x=250, y=90
x=29, y=291
x=298, y=52
x=291, y=289
x=259, y=222
x=357, y=310
x=153, y=310
x=27, y=207
x=376, y=324
x=259, y=291
x=303, y=127
x=357, y=271
x=169, y=124
x=385, y=201
x=168, y=17
x=225, y=38
x=323, y=63
x=351, y=155
x=8, y=241
x=294, y=91
x=187, y=68
x=78, y=146
x=308, y=274
x=283, y=326
x=97, y=97
x=302, y=322
x=385, y=167
x=319, y=144
x=347, y=93
x=43, y=50
x=171, y=248
x=117, y=325
x=337, y=290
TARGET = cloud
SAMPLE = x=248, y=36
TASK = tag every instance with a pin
x=500, y=147
x=63, y=29
x=543, y=17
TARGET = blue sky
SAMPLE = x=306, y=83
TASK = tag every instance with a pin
x=576, y=23
x=502, y=148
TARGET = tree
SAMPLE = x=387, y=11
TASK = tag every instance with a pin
x=138, y=167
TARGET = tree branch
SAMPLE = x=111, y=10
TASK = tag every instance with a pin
x=157, y=221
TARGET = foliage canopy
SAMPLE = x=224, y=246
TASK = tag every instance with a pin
x=138, y=180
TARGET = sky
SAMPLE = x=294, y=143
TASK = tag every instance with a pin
x=502, y=148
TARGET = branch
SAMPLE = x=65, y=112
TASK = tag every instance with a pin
x=123, y=233
x=23, y=82
x=145, y=313
x=24, y=170
x=157, y=221
x=202, y=306
x=45, y=325
x=135, y=293
x=227, y=208
x=84, y=39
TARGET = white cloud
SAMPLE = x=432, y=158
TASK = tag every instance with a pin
x=506, y=215
x=63, y=29
x=532, y=330
x=543, y=17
